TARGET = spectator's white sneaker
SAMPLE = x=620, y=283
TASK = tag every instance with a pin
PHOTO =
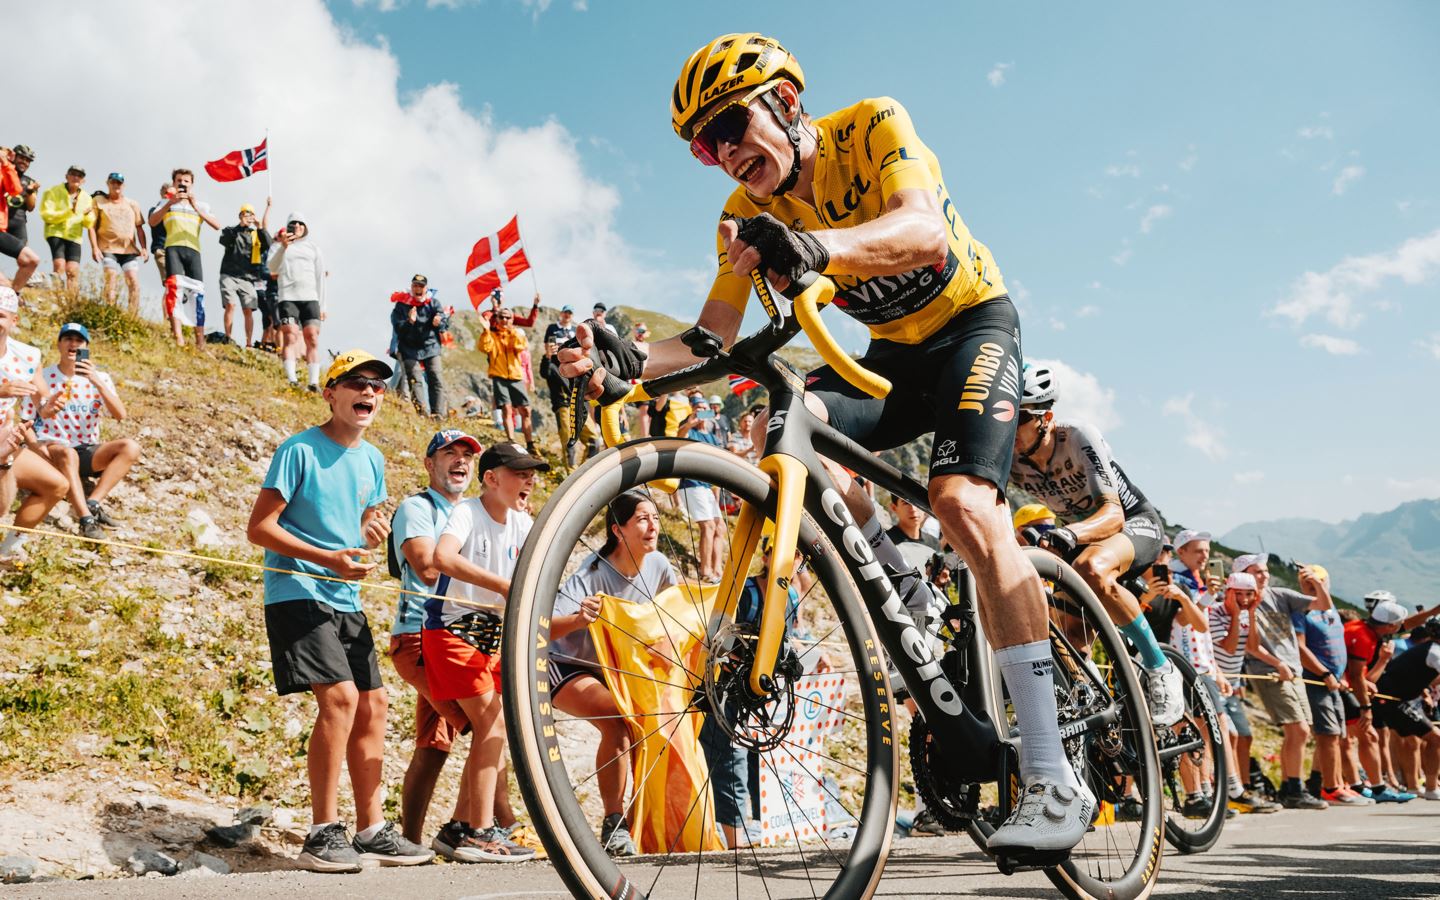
x=1049, y=817
x=1165, y=690
x=1431, y=794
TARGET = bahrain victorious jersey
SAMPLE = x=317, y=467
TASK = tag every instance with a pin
x=866, y=153
x=1080, y=475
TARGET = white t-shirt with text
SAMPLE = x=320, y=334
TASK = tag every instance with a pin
x=491, y=545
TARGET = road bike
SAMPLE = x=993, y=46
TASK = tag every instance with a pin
x=803, y=692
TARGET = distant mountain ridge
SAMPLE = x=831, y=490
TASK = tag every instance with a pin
x=1398, y=550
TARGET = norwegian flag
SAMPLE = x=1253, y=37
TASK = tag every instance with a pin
x=239, y=164
x=739, y=384
x=495, y=261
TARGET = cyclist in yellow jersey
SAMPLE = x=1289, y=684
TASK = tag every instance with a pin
x=857, y=196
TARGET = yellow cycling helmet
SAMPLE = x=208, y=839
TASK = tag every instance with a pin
x=1034, y=512
x=730, y=64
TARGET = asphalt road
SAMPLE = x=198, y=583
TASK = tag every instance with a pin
x=1386, y=851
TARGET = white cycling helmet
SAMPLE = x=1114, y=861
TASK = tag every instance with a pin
x=1376, y=597
x=1041, y=389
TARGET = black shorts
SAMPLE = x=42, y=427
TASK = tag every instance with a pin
x=265, y=299
x=10, y=245
x=315, y=643
x=298, y=312
x=86, y=452
x=962, y=383
x=1402, y=718
x=184, y=262
x=1147, y=536
x=507, y=392
x=63, y=250
x=562, y=673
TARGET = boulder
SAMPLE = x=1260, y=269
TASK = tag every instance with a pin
x=17, y=870
x=146, y=861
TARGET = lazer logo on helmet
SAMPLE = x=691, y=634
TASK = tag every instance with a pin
x=911, y=640
x=982, y=375
x=721, y=89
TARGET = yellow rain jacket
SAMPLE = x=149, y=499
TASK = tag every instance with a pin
x=60, y=219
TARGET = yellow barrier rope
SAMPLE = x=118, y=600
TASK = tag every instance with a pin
x=200, y=557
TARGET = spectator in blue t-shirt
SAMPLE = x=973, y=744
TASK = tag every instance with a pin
x=697, y=499
x=418, y=521
x=1325, y=638
x=318, y=515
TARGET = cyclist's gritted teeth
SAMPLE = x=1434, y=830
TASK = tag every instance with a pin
x=749, y=170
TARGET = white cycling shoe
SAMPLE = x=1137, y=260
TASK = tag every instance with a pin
x=1165, y=691
x=1049, y=817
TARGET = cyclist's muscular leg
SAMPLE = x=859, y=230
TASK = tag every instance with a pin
x=1101, y=565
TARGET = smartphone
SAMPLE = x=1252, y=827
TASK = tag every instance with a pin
x=1216, y=569
x=705, y=414
x=1161, y=573
x=289, y=227
x=82, y=354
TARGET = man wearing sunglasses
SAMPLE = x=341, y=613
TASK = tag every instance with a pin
x=856, y=195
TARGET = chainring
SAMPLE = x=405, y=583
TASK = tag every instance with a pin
x=953, y=803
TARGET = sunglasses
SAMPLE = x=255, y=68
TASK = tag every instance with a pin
x=361, y=382
x=728, y=125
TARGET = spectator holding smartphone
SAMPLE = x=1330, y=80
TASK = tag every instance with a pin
x=296, y=262
x=242, y=270
x=68, y=213
x=69, y=428
x=17, y=197
x=182, y=215
x=120, y=236
x=417, y=321
x=21, y=467
x=318, y=513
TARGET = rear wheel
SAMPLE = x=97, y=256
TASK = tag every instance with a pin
x=821, y=748
x=1192, y=752
x=1095, y=682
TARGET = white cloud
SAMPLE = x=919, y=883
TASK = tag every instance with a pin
x=1333, y=293
x=1200, y=433
x=1187, y=164
x=1082, y=396
x=1124, y=254
x=1414, y=487
x=1431, y=344
x=1088, y=309
x=392, y=183
x=1403, y=205
x=1311, y=132
x=1347, y=176
x=1095, y=285
x=1336, y=346
x=1253, y=477
x=1152, y=215
x=996, y=76
x=1125, y=169
x=1095, y=192
x=1056, y=324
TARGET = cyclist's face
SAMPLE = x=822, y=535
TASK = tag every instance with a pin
x=1026, y=431
x=761, y=159
x=641, y=534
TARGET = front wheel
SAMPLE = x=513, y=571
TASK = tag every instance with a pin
x=696, y=756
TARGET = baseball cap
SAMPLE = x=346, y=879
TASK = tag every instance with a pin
x=77, y=170
x=601, y=307
x=511, y=456
x=9, y=300
x=74, y=328
x=24, y=150
x=714, y=399
x=699, y=400
x=1031, y=513
x=351, y=360
x=417, y=278
x=1388, y=612
x=1246, y=560
x=1316, y=569
x=1188, y=535
x=567, y=308
x=115, y=176
x=245, y=207
x=295, y=216
x=443, y=439
x=1240, y=581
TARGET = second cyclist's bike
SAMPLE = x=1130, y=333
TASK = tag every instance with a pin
x=796, y=707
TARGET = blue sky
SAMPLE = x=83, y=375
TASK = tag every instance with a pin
x=1225, y=220
x=1156, y=179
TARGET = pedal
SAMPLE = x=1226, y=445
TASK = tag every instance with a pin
x=1010, y=862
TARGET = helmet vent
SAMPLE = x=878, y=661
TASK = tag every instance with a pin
x=745, y=61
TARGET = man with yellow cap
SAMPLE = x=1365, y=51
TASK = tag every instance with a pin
x=242, y=271
x=1032, y=515
x=318, y=514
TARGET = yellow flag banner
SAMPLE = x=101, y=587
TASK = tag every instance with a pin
x=652, y=654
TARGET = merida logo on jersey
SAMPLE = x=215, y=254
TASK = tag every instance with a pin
x=982, y=375
x=851, y=200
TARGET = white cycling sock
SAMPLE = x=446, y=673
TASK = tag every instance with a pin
x=290, y=369
x=314, y=370
x=1237, y=787
x=319, y=827
x=1029, y=675
x=885, y=550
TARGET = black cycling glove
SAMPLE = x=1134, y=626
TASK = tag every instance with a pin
x=783, y=250
x=620, y=358
x=1060, y=541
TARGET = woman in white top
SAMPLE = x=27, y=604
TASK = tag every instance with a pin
x=299, y=272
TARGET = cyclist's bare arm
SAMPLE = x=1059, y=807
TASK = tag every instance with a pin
x=908, y=235
x=1103, y=523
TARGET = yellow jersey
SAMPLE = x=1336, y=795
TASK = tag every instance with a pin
x=866, y=153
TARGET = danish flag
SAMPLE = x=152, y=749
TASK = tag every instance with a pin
x=496, y=260
x=238, y=164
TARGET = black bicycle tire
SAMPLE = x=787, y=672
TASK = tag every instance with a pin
x=573, y=848
x=1177, y=835
x=1140, y=877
